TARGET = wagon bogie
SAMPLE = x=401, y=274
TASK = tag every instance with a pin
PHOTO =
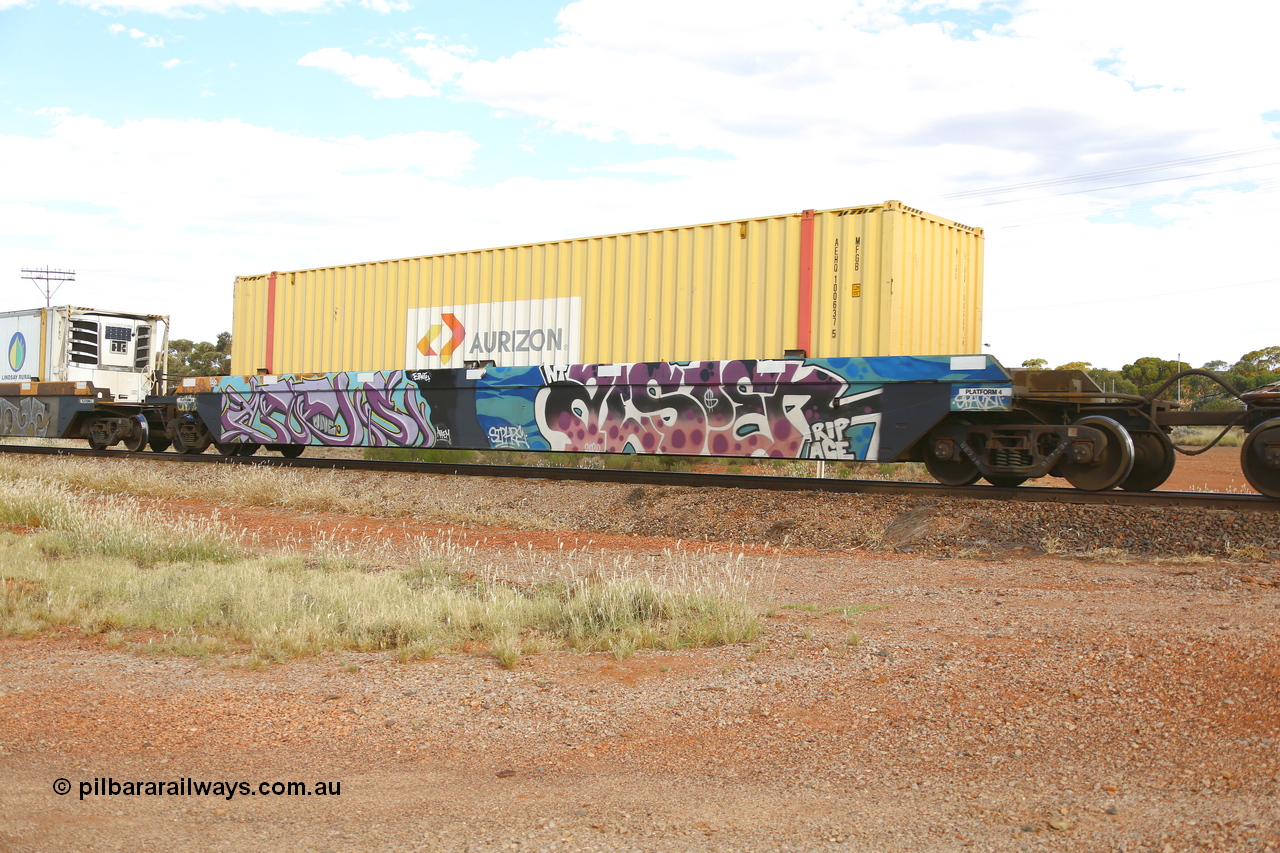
x=108, y=429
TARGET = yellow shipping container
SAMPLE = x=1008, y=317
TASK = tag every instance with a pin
x=882, y=279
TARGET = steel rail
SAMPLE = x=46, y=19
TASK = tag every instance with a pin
x=1032, y=494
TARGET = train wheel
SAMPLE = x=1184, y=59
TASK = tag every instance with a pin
x=159, y=443
x=1006, y=482
x=1260, y=458
x=1153, y=458
x=1108, y=470
x=249, y=448
x=227, y=449
x=956, y=471
x=292, y=451
x=141, y=434
x=95, y=444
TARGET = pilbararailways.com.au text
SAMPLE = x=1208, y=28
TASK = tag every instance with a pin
x=188, y=787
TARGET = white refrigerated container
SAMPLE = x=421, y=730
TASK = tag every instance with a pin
x=122, y=353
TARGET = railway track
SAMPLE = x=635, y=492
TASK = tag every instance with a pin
x=1035, y=494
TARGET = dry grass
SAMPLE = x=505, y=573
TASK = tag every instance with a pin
x=249, y=485
x=113, y=570
x=1192, y=559
x=1246, y=553
x=1105, y=555
x=110, y=529
x=1191, y=436
x=231, y=485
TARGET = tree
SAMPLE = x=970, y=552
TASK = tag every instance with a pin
x=1035, y=364
x=200, y=359
x=1112, y=381
x=1075, y=365
x=1266, y=360
x=1251, y=370
x=1149, y=373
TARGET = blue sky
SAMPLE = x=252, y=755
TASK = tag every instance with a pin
x=1126, y=182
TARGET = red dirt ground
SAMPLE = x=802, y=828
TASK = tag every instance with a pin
x=1016, y=704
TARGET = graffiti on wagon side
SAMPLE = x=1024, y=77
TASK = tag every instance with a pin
x=779, y=409
x=340, y=409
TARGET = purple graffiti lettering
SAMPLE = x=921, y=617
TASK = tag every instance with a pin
x=383, y=411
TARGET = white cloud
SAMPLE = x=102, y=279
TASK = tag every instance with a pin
x=150, y=41
x=386, y=6
x=171, y=63
x=187, y=8
x=827, y=103
x=161, y=214
x=441, y=61
x=860, y=83
x=387, y=78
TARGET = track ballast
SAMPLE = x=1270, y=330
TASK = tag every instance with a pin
x=1031, y=494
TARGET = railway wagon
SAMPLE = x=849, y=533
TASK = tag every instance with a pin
x=965, y=417
x=69, y=371
x=876, y=280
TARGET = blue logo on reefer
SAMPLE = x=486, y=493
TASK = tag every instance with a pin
x=17, y=351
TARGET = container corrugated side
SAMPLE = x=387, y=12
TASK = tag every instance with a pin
x=726, y=290
x=893, y=280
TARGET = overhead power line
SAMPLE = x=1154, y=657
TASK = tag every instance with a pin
x=49, y=276
x=1116, y=173
x=1144, y=183
x=1129, y=298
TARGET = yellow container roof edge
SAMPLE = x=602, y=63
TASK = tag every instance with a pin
x=891, y=205
x=941, y=220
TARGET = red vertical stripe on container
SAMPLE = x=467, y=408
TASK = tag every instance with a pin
x=804, y=327
x=271, y=323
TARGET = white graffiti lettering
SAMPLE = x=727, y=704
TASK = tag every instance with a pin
x=508, y=438
x=832, y=439
x=555, y=373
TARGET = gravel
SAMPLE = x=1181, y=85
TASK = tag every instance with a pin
x=992, y=696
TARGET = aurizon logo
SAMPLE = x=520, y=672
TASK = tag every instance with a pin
x=426, y=346
x=17, y=351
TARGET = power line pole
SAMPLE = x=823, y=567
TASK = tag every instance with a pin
x=49, y=276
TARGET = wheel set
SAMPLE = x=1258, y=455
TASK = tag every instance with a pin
x=1260, y=458
x=1094, y=453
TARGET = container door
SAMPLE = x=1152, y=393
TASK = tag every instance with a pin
x=20, y=335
